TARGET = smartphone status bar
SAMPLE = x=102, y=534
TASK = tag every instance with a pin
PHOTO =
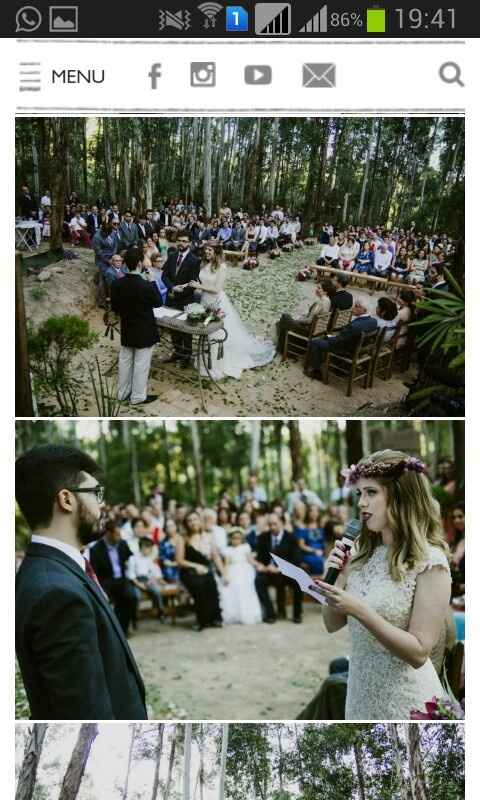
x=211, y=19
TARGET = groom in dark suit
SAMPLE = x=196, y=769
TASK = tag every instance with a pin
x=282, y=543
x=181, y=268
x=73, y=655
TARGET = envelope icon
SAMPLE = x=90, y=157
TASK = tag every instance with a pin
x=319, y=76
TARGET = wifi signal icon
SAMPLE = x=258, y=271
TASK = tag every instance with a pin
x=211, y=12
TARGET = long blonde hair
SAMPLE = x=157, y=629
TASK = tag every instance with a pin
x=413, y=514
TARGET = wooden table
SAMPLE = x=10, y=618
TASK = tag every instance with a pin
x=204, y=347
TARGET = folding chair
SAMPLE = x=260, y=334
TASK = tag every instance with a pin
x=355, y=366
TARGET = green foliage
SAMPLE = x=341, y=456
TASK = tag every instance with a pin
x=445, y=318
x=52, y=349
x=104, y=391
x=38, y=292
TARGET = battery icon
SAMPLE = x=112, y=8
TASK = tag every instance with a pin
x=376, y=20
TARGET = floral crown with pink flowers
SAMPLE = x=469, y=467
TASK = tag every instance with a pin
x=382, y=469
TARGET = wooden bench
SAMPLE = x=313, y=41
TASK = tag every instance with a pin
x=174, y=596
x=361, y=280
x=234, y=257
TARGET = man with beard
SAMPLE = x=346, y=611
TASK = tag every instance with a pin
x=73, y=655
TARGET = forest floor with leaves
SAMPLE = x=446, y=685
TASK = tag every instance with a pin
x=238, y=672
x=260, y=297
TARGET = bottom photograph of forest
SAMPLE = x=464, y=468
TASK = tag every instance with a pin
x=269, y=761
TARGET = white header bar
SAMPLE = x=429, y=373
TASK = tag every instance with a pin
x=251, y=77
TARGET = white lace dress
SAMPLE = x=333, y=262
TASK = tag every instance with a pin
x=242, y=350
x=380, y=685
x=239, y=600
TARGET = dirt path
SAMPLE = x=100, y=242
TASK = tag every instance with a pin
x=279, y=389
x=229, y=673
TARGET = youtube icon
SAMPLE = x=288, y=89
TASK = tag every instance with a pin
x=258, y=75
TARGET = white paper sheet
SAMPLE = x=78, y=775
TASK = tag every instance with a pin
x=163, y=311
x=303, y=579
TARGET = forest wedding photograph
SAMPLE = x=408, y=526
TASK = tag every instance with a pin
x=237, y=266
x=154, y=564
x=185, y=761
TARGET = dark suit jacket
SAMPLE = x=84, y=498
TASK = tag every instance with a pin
x=134, y=300
x=189, y=271
x=73, y=655
x=145, y=231
x=341, y=300
x=91, y=223
x=288, y=548
x=348, y=337
x=128, y=235
x=100, y=560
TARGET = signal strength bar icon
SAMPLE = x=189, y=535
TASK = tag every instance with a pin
x=273, y=19
x=318, y=23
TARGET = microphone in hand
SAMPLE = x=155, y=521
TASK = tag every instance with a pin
x=352, y=530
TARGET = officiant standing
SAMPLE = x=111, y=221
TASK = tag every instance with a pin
x=133, y=299
x=279, y=541
x=180, y=269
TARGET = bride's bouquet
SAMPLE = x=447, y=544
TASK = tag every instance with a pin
x=439, y=708
x=214, y=314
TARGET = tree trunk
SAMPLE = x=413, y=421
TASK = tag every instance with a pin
x=207, y=168
x=59, y=131
x=401, y=785
x=78, y=761
x=278, y=429
x=193, y=162
x=354, y=438
x=357, y=750
x=158, y=757
x=418, y=781
x=31, y=760
x=365, y=173
x=295, y=449
x=171, y=762
x=129, y=763
x=273, y=170
x=109, y=177
x=84, y=158
x=198, y=463
x=221, y=158
x=255, y=432
x=187, y=760
x=223, y=762
x=459, y=456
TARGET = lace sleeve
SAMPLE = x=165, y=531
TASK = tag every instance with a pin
x=435, y=558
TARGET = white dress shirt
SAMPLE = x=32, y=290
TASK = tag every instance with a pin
x=66, y=549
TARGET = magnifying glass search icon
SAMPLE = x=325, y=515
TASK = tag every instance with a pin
x=450, y=72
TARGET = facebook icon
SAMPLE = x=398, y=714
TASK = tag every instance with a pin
x=237, y=19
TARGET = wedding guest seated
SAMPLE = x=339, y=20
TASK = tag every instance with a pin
x=224, y=234
x=324, y=292
x=115, y=271
x=329, y=257
x=402, y=266
x=109, y=557
x=78, y=231
x=436, y=278
x=261, y=235
x=386, y=316
x=311, y=541
x=128, y=231
x=237, y=239
x=167, y=549
x=218, y=534
x=93, y=221
x=382, y=261
x=347, y=253
x=282, y=543
x=341, y=300
x=364, y=261
x=419, y=266
x=406, y=314
x=146, y=576
x=271, y=240
x=343, y=342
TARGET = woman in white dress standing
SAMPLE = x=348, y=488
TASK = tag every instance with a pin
x=394, y=590
x=238, y=599
x=241, y=350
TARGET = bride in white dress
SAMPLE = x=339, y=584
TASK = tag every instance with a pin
x=393, y=592
x=238, y=598
x=242, y=350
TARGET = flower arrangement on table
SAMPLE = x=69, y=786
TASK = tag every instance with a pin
x=439, y=708
x=195, y=312
x=214, y=314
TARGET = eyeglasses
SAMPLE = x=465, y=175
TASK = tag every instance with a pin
x=98, y=490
